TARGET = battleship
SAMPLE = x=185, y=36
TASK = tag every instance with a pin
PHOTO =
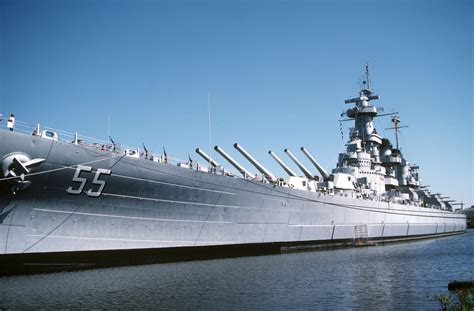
x=68, y=201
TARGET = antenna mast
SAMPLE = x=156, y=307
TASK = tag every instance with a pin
x=209, y=126
x=367, y=75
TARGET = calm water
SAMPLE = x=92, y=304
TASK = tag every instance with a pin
x=385, y=277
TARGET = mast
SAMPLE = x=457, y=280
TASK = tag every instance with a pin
x=367, y=80
x=395, y=121
x=396, y=128
x=364, y=112
x=209, y=126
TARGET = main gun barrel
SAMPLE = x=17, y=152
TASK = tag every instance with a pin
x=282, y=164
x=269, y=176
x=321, y=170
x=298, y=163
x=234, y=163
x=206, y=157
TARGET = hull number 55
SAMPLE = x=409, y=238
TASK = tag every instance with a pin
x=83, y=181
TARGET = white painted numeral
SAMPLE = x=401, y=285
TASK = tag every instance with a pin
x=96, y=181
x=83, y=181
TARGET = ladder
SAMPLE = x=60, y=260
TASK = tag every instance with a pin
x=360, y=234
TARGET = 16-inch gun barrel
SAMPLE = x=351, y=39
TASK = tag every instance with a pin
x=234, y=163
x=269, y=176
x=298, y=163
x=321, y=170
x=282, y=164
x=206, y=157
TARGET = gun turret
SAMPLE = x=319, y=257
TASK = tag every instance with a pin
x=234, y=163
x=282, y=164
x=320, y=169
x=269, y=176
x=298, y=163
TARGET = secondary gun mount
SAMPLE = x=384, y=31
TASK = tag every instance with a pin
x=320, y=169
x=269, y=176
x=282, y=164
x=234, y=163
x=298, y=163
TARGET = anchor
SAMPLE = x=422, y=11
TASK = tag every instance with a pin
x=18, y=165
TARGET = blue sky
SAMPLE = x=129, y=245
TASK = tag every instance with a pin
x=278, y=73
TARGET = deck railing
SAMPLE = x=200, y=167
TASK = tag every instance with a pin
x=76, y=138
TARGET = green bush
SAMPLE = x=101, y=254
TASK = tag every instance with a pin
x=465, y=298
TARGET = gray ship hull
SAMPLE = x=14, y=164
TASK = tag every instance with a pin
x=154, y=212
